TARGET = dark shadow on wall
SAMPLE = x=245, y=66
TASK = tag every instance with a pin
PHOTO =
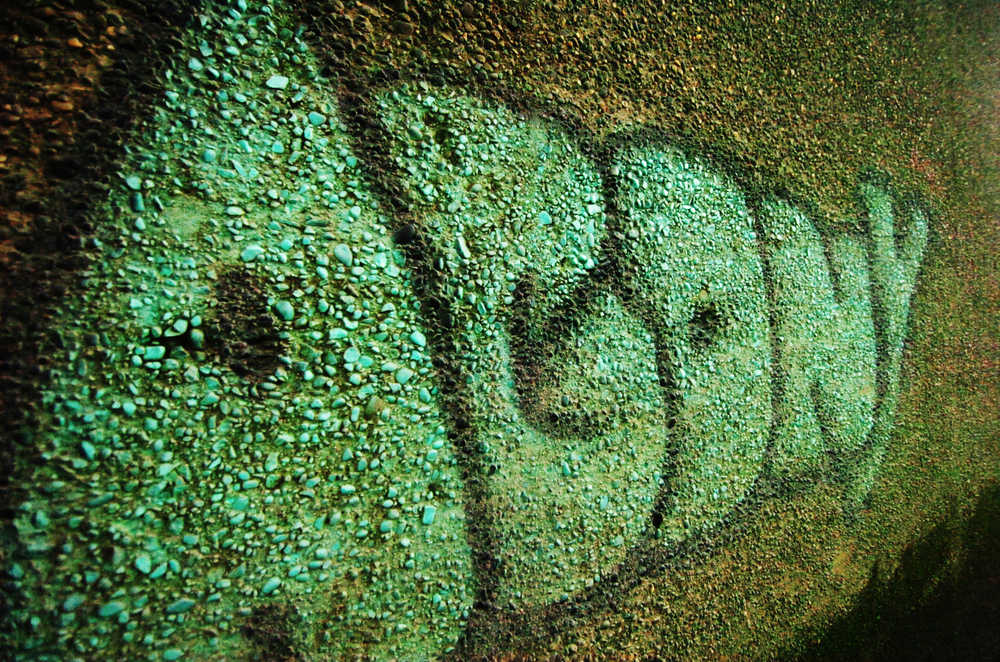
x=269, y=627
x=73, y=157
x=928, y=609
x=55, y=171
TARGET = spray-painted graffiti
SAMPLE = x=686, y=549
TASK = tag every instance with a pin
x=271, y=418
x=636, y=400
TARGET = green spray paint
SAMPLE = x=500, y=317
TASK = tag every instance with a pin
x=242, y=440
x=514, y=217
x=693, y=258
x=825, y=344
x=246, y=431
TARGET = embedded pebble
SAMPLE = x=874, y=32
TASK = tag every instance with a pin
x=112, y=608
x=73, y=601
x=285, y=310
x=403, y=375
x=277, y=82
x=155, y=352
x=270, y=586
x=180, y=606
x=343, y=253
x=250, y=253
x=428, y=516
x=143, y=564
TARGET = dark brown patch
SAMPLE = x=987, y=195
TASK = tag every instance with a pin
x=270, y=628
x=245, y=334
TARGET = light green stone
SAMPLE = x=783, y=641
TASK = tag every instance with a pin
x=88, y=450
x=112, y=608
x=73, y=601
x=277, y=82
x=143, y=564
x=285, y=310
x=343, y=253
x=250, y=253
x=180, y=606
x=154, y=352
x=403, y=375
x=428, y=516
x=137, y=203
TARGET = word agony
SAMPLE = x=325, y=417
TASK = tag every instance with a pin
x=658, y=380
x=267, y=416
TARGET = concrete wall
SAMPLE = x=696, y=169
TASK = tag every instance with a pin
x=378, y=374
